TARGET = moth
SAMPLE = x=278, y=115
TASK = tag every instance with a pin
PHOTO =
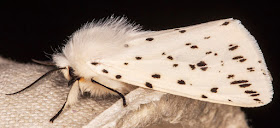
x=218, y=62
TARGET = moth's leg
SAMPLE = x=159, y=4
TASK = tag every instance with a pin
x=71, y=99
x=58, y=113
x=121, y=95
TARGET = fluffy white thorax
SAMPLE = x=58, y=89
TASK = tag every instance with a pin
x=89, y=44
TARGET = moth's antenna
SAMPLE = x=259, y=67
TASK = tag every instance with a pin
x=121, y=95
x=49, y=72
x=47, y=63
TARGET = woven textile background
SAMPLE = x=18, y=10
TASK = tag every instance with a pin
x=36, y=105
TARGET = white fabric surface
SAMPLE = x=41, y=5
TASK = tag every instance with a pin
x=36, y=105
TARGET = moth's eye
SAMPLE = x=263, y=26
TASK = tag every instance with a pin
x=71, y=72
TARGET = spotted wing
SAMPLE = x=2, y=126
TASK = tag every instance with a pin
x=217, y=61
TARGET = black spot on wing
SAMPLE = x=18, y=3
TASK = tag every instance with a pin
x=118, y=76
x=163, y=53
x=95, y=63
x=105, y=71
x=182, y=82
x=239, y=81
x=201, y=63
x=253, y=95
x=208, y=52
x=240, y=58
x=250, y=91
x=237, y=57
x=138, y=58
x=231, y=76
x=244, y=85
x=175, y=65
x=188, y=44
x=149, y=85
x=207, y=37
x=157, y=76
x=182, y=31
x=251, y=69
x=225, y=23
x=150, y=39
x=204, y=68
x=232, y=47
x=126, y=45
x=125, y=63
x=263, y=72
x=256, y=99
x=192, y=66
x=214, y=90
x=222, y=63
x=170, y=57
x=203, y=96
x=194, y=47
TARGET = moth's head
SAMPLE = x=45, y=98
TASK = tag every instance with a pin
x=74, y=67
x=61, y=61
x=68, y=71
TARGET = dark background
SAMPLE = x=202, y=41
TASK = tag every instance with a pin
x=34, y=29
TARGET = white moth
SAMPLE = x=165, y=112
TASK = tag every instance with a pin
x=218, y=61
